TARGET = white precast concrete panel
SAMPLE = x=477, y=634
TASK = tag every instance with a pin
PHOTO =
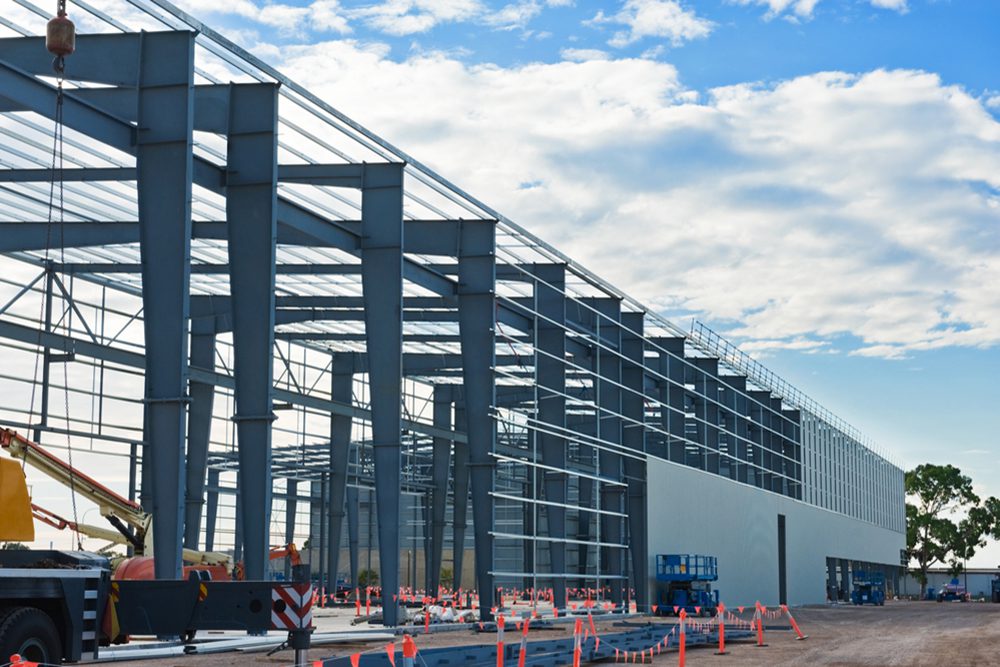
x=691, y=511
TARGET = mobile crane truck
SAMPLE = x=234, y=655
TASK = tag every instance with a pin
x=64, y=605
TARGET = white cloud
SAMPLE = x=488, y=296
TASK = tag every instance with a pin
x=406, y=17
x=796, y=8
x=327, y=15
x=825, y=205
x=583, y=55
x=803, y=9
x=514, y=16
x=654, y=18
x=899, y=5
x=319, y=16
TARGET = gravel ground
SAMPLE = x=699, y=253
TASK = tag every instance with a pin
x=908, y=634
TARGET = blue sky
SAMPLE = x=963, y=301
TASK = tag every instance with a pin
x=819, y=180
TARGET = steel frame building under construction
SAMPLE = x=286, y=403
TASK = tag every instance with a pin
x=211, y=247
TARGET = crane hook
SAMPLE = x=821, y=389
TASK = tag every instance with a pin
x=60, y=38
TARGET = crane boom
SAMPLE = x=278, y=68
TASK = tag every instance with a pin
x=119, y=511
x=111, y=505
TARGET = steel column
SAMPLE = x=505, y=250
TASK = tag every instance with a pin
x=341, y=389
x=460, y=482
x=199, y=433
x=164, y=173
x=707, y=381
x=352, y=533
x=550, y=384
x=211, y=508
x=671, y=395
x=291, y=507
x=633, y=437
x=609, y=429
x=251, y=214
x=382, y=285
x=439, y=483
x=477, y=312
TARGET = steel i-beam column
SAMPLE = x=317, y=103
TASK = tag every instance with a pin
x=550, y=383
x=633, y=437
x=146, y=471
x=671, y=395
x=342, y=390
x=163, y=174
x=382, y=285
x=211, y=509
x=460, y=480
x=238, y=514
x=439, y=483
x=476, y=317
x=251, y=215
x=199, y=432
x=291, y=507
x=609, y=429
x=352, y=533
x=708, y=380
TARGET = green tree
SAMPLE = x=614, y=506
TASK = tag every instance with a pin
x=447, y=577
x=368, y=578
x=932, y=537
x=13, y=546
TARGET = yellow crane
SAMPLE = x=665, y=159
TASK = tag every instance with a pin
x=16, y=521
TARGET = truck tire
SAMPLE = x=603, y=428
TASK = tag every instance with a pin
x=30, y=633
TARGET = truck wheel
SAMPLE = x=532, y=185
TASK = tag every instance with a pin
x=30, y=633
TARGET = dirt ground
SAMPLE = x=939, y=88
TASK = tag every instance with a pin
x=917, y=634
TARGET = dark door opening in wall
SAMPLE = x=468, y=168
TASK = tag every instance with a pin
x=782, y=583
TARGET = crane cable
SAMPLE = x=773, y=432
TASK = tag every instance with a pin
x=60, y=41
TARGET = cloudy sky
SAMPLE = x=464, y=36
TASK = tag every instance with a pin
x=819, y=180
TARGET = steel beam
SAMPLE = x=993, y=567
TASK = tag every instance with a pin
x=382, y=287
x=251, y=214
x=199, y=434
x=91, y=62
x=87, y=348
x=164, y=172
x=477, y=312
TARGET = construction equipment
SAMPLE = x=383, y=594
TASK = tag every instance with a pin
x=64, y=605
x=133, y=526
x=952, y=592
x=683, y=581
x=869, y=587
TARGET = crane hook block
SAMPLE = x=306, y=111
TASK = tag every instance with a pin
x=60, y=35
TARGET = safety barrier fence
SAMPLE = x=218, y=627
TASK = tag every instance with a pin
x=639, y=645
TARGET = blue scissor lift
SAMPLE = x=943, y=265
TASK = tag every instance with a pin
x=869, y=588
x=684, y=581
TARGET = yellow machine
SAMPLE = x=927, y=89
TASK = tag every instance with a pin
x=122, y=513
x=16, y=523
